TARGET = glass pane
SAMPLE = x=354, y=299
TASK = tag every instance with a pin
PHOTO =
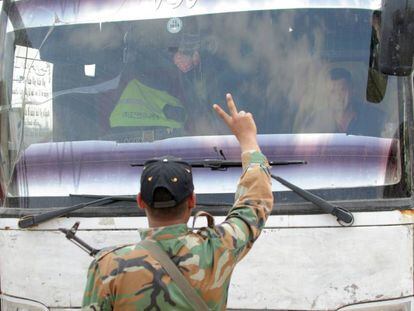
x=98, y=97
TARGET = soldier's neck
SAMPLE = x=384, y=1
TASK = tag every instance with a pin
x=155, y=223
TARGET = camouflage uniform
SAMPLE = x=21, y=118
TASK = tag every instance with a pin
x=128, y=278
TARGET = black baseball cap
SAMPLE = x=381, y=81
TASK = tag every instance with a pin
x=170, y=173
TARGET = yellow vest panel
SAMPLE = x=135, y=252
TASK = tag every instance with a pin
x=142, y=106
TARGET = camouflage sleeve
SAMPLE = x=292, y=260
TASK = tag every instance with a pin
x=96, y=295
x=252, y=207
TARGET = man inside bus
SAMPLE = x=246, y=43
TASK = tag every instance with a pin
x=152, y=104
x=129, y=278
x=351, y=115
x=146, y=106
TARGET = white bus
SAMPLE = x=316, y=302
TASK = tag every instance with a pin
x=90, y=89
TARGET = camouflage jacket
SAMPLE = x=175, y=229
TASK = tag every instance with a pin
x=128, y=278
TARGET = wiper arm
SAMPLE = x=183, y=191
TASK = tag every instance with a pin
x=33, y=220
x=344, y=217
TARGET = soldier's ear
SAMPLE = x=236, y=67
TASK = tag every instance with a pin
x=192, y=201
x=141, y=203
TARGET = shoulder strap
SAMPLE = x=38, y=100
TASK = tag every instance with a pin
x=161, y=256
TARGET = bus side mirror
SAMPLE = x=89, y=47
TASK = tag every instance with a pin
x=396, y=48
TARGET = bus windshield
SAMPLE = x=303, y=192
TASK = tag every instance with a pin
x=88, y=99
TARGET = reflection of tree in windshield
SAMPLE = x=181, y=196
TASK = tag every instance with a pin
x=282, y=63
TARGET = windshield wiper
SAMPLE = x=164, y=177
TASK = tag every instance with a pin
x=343, y=216
x=33, y=220
x=219, y=164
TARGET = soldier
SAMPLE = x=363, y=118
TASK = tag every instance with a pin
x=129, y=278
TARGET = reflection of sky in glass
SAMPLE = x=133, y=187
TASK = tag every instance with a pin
x=48, y=12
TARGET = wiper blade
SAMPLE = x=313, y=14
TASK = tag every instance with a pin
x=218, y=164
x=33, y=220
x=223, y=164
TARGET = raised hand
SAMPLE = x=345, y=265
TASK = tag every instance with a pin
x=240, y=123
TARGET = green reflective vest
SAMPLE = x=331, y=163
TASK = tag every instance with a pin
x=143, y=106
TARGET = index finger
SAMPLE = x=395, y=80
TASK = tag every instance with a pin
x=231, y=105
x=226, y=118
